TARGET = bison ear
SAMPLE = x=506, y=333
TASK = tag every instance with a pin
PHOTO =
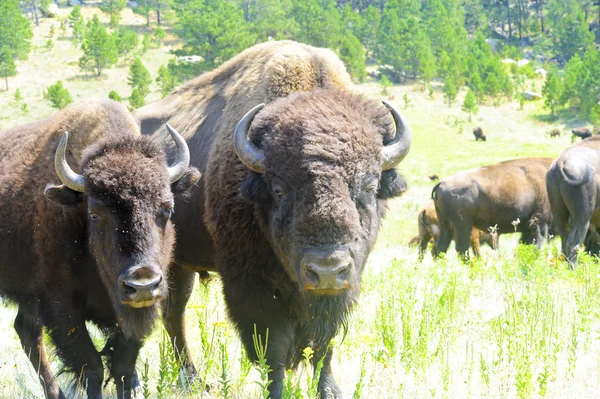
x=254, y=189
x=62, y=195
x=391, y=185
x=189, y=178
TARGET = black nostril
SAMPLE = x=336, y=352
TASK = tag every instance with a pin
x=156, y=286
x=343, y=274
x=128, y=290
x=312, y=275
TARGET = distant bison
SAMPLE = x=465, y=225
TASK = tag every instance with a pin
x=555, y=132
x=479, y=135
x=96, y=247
x=573, y=186
x=582, y=132
x=292, y=197
x=429, y=230
x=510, y=195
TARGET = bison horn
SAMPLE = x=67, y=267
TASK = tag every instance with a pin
x=66, y=175
x=182, y=159
x=395, y=151
x=252, y=156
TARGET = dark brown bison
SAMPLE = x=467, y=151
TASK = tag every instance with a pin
x=290, y=204
x=555, y=132
x=582, y=132
x=510, y=195
x=573, y=185
x=429, y=229
x=96, y=247
x=479, y=135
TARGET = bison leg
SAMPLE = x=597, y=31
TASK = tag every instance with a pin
x=425, y=238
x=475, y=242
x=75, y=347
x=443, y=241
x=463, y=240
x=254, y=308
x=29, y=331
x=327, y=385
x=574, y=240
x=182, y=284
x=122, y=364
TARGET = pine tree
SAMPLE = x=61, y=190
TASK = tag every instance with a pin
x=136, y=100
x=58, y=95
x=352, y=54
x=7, y=65
x=492, y=86
x=470, y=104
x=385, y=85
x=99, y=48
x=139, y=78
x=450, y=90
x=113, y=8
x=552, y=91
x=166, y=80
x=126, y=40
x=113, y=95
x=77, y=23
x=15, y=38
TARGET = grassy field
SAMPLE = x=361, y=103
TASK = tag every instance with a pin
x=514, y=323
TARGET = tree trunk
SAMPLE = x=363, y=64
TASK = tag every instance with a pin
x=158, y=15
x=6, y=80
x=34, y=8
x=541, y=2
x=508, y=19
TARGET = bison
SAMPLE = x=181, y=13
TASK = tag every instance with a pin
x=510, y=195
x=581, y=132
x=97, y=247
x=429, y=229
x=573, y=185
x=555, y=132
x=291, y=198
x=479, y=135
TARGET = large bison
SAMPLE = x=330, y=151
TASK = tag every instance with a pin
x=581, y=132
x=478, y=133
x=289, y=205
x=573, y=185
x=96, y=247
x=510, y=195
x=429, y=229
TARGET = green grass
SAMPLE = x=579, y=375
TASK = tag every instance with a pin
x=514, y=323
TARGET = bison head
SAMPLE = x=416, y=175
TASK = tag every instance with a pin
x=322, y=167
x=129, y=191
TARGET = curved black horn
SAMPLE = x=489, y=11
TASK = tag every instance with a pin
x=252, y=156
x=395, y=151
x=66, y=175
x=182, y=160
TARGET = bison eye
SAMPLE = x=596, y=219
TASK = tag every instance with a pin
x=166, y=212
x=278, y=191
x=94, y=216
x=371, y=187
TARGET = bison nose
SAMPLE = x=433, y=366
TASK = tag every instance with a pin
x=327, y=272
x=141, y=287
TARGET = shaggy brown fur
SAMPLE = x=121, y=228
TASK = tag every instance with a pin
x=494, y=195
x=555, y=132
x=62, y=252
x=479, y=135
x=582, y=132
x=429, y=230
x=573, y=185
x=323, y=190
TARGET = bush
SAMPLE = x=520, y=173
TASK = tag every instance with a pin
x=113, y=95
x=58, y=95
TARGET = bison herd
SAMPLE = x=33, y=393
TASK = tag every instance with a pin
x=273, y=172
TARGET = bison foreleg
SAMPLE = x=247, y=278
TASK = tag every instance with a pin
x=30, y=333
x=122, y=364
x=328, y=388
x=174, y=315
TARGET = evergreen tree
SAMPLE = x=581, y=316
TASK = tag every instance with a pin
x=159, y=35
x=570, y=30
x=136, y=100
x=450, y=90
x=352, y=54
x=58, y=95
x=552, y=91
x=99, y=48
x=7, y=65
x=166, y=80
x=386, y=83
x=18, y=96
x=213, y=29
x=113, y=95
x=470, y=104
x=595, y=116
x=269, y=18
x=126, y=40
x=77, y=23
x=15, y=35
x=113, y=8
x=492, y=86
x=139, y=78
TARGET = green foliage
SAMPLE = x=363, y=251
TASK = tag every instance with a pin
x=139, y=78
x=159, y=35
x=213, y=29
x=113, y=8
x=49, y=44
x=126, y=40
x=166, y=80
x=552, y=91
x=570, y=32
x=385, y=83
x=15, y=30
x=406, y=100
x=58, y=95
x=99, y=48
x=7, y=64
x=18, y=96
x=260, y=348
x=77, y=23
x=146, y=43
x=24, y=108
x=595, y=115
x=450, y=90
x=136, y=100
x=470, y=104
x=52, y=30
x=113, y=95
x=353, y=55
